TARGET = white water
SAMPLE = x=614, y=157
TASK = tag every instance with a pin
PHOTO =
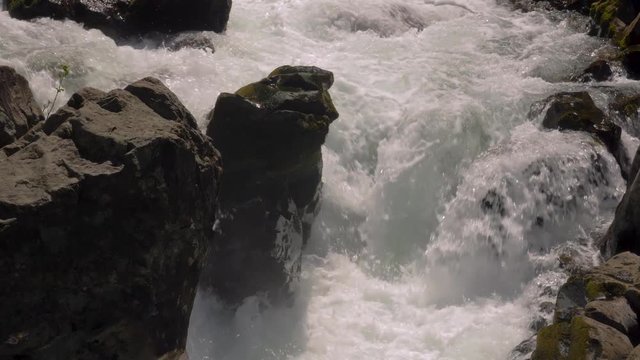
x=431, y=122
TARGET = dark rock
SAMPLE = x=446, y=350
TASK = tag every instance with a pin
x=107, y=211
x=572, y=297
x=596, y=313
x=599, y=70
x=616, y=313
x=631, y=61
x=18, y=109
x=127, y=17
x=270, y=135
x=626, y=105
x=493, y=203
x=624, y=232
x=524, y=350
x=577, y=111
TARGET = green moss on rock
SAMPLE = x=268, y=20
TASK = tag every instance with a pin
x=552, y=342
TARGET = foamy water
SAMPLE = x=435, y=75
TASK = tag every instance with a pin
x=405, y=262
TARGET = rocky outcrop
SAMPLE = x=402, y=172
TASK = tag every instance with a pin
x=596, y=314
x=130, y=17
x=577, y=111
x=624, y=232
x=106, y=213
x=19, y=112
x=270, y=135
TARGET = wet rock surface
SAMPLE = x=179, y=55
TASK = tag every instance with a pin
x=577, y=111
x=106, y=213
x=596, y=315
x=599, y=70
x=129, y=17
x=624, y=232
x=270, y=135
x=18, y=109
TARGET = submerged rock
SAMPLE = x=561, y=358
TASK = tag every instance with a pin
x=596, y=314
x=18, y=109
x=270, y=135
x=599, y=70
x=577, y=111
x=130, y=17
x=106, y=213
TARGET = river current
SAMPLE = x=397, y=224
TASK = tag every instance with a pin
x=445, y=205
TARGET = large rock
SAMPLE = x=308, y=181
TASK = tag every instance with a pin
x=581, y=339
x=624, y=232
x=18, y=110
x=577, y=111
x=270, y=135
x=106, y=212
x=125, y=17
x=596, y=313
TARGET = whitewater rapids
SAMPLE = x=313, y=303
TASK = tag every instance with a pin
x=445, y=206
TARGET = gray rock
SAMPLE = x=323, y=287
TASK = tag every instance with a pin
x=18, y=109
x=599, y=70
x=270, y=135
x=107, y=210
x=616, y=313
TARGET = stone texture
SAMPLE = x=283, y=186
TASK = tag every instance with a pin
x=596, y=313
x=270, y=135
x=18, y=109
x=616, y=313
x=127, y=17
x=106, y=212
x=599, y=70
x=577, y=111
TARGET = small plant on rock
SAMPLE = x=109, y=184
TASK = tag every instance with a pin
x=62, y=75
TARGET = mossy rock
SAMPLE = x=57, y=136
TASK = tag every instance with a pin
x=581, y=339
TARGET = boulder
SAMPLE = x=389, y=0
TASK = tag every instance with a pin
x=130, y=17
x=616, y=313
x=599, y=70
x=596, y=313
x=270, y=135
x=577, y=111
x=582, y=338
x=106, y=213
x=624, y=232
x=19, y=111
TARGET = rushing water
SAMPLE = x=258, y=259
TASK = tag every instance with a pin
x=445, y=205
